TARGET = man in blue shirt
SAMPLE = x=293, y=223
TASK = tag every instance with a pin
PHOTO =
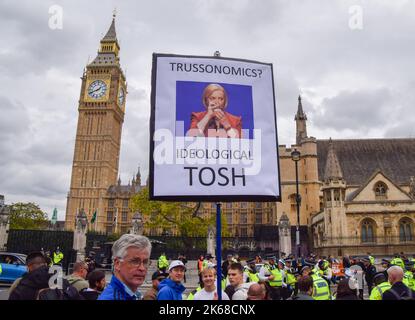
x=131, y=258
x=172, y=288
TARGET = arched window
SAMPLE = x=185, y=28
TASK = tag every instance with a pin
x=328, y=195
x=293, y=203
x=381, y=190
x=368, y=231
x=405, y=230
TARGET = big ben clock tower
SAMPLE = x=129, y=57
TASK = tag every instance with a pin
x=98, y=136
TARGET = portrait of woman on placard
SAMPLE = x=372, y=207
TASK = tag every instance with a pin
x=215, y=121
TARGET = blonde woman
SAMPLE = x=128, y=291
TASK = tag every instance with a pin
x=215, y=121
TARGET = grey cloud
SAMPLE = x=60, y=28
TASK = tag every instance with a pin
x=359, y=110
x=363, y=78
x=135, y=136
x=14, y=132
x=401, y=118
x=52, y=150
x=35, y=180
x=36, y=45
x=287, y=90
x=405, y=129
x=136, y=94
x=14, y=120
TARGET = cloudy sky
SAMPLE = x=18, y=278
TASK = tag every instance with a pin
x=352, y=61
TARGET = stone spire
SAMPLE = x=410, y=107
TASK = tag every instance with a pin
x=111, y=33
x=300, y=113
x=138, y=177
x=119, y=181
x=109, y=48
x=333, y=169
x=301, y=121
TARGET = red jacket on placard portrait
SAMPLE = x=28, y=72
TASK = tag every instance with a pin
x=235, y=122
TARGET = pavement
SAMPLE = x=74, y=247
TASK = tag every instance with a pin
x=4, y=292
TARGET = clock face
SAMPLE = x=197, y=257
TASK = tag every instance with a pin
x=97, y=89
x=121, y=96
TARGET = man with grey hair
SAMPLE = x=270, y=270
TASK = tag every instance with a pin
x=131, y=258
x=398, y=291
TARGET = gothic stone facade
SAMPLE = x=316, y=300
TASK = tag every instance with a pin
x=368, y=197
x=356, y=195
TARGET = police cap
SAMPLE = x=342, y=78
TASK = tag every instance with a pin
x=305, y=268
x=159, y=275
x=271, y=257
x=308, y=263
x=379, y=277
x=365, y=259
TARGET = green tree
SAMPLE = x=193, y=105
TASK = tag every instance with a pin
x=173, y=215
x=27, y=216
x=114, y=236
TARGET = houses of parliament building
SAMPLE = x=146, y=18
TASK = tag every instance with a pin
x=357, y=196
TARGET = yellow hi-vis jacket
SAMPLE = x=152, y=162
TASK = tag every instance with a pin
x=378, y=291
x=277, y=282
x=191, y=295
x=291, y=279
x=408, y=278
x=321, y=289
x=253, y=277
x=162, y=262
x=57, y=257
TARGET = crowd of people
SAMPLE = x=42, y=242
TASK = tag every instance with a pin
x=287, y=278
x=41, y=284
x=283, y=278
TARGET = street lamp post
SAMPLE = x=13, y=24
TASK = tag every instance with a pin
x=295, y=156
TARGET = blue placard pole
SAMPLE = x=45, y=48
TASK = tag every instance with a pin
x=218, y=252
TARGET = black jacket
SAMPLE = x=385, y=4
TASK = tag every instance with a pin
x=229, y=290
x=370, y=272
x=28, y=288
x=399, y=291
x=346, y=262
x=30, y=284
x=89, y=295
x=225, y=266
